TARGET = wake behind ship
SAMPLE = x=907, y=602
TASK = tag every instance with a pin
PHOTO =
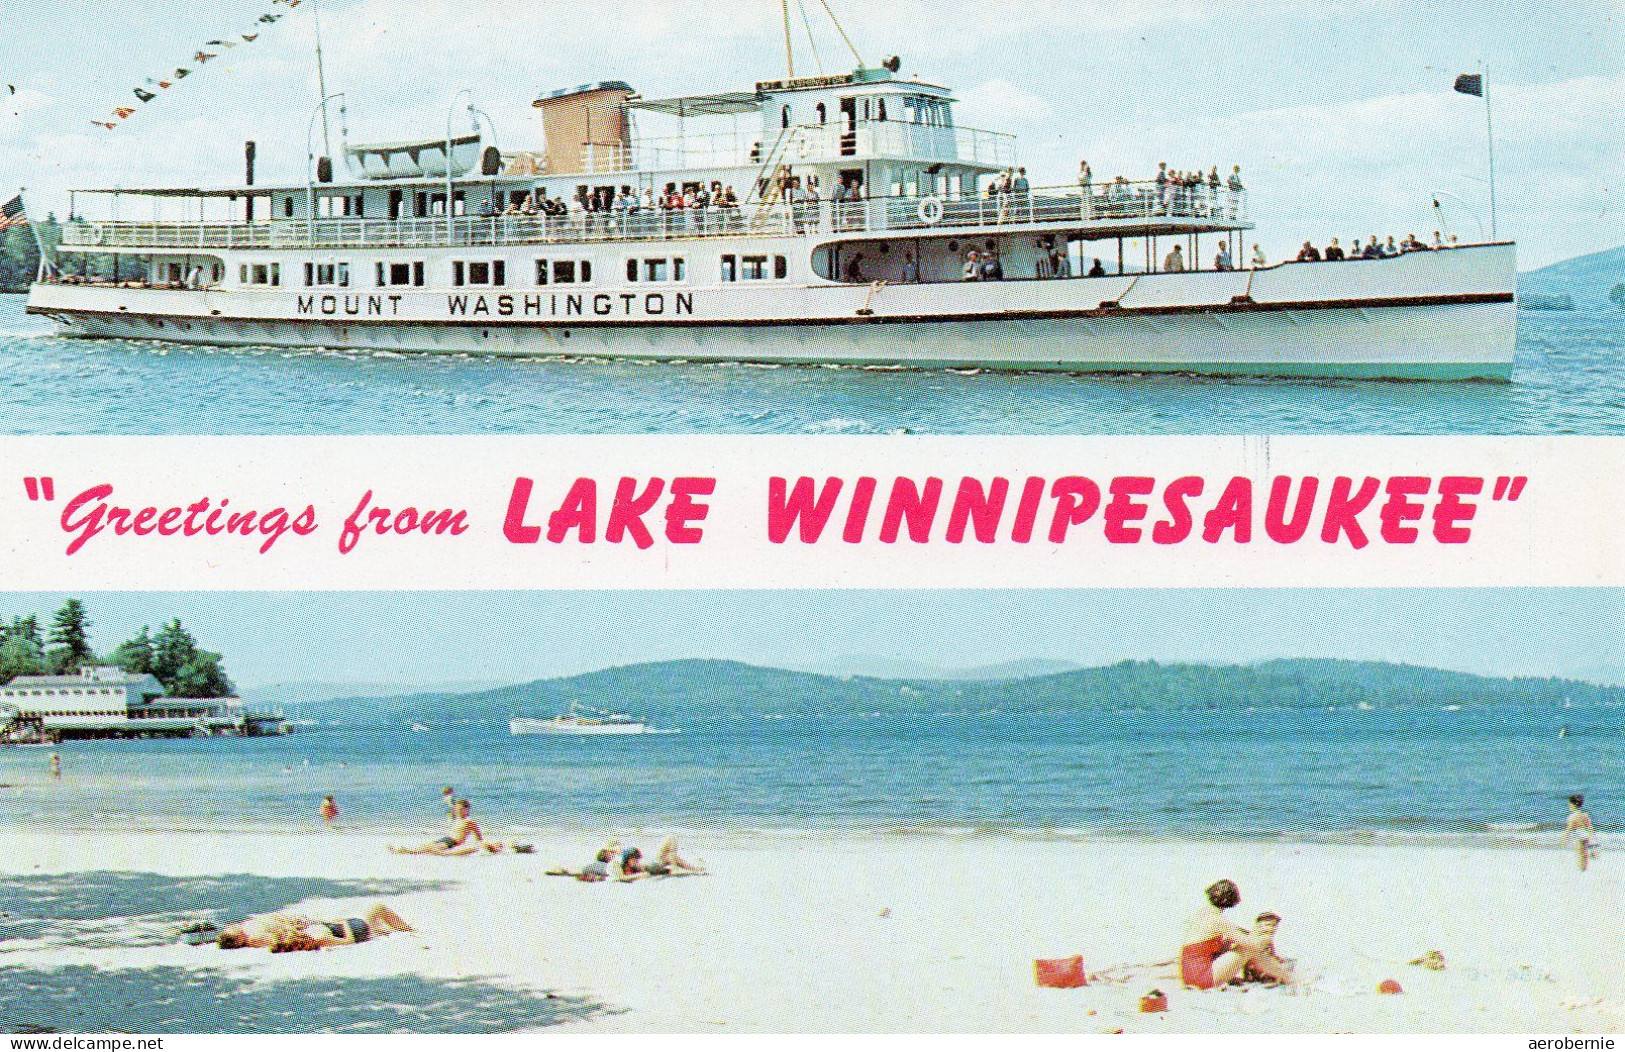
x=831, y=219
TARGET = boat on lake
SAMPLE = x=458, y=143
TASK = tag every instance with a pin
x=582, y=720
x=826, y=219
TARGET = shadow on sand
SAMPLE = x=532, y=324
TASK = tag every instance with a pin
x=106, y=909
x=165, y=1000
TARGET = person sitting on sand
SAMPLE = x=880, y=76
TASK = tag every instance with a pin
x=1264, y=929
x=1216, y=951
x=466, y=837
x=668, y=863
x=289, y=932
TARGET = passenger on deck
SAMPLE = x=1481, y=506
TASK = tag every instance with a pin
x=1390, y=249
x=992, y=267
x=1097, y=270
x=1372, y=249
x=973, y=266
x=1060, y=262
x=1334, y=252
x=1258, y=257
x=1222, y=261
x=1412, y=244
x=1308, y=253
x=1438, y=241
x=854, y=269
x=911, y=270
x=1174, y=262
x=1235, y=179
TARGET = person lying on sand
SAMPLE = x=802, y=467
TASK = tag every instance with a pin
x=466, y=837
x=593, y=872
x=1216, y=951
x=289, y=932
x=668, y=863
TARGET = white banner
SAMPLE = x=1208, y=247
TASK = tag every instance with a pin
x=796, y=512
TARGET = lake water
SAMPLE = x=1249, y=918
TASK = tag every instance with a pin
x=1482, y=773
x=1568, y=380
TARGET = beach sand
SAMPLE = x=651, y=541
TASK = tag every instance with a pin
x=818, y=932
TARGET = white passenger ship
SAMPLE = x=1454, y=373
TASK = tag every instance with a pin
x=582, y=720
x=856, y=201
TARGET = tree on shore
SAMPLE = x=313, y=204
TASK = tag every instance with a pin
x=70, y=639
x=135, y=655
x=172, y=656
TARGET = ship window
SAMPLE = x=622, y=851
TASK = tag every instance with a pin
x=329, y=274
x=880, y=109
x=400, y=274
x=287, y=207
x=563, y=271
x=784, y=117
x=674, y=268
x=481, y=272
x=261, y=274
x=754, y=268
x=823, y=113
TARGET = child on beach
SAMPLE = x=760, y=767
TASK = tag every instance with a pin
x=1264, y=928
x=329, y=810
x=1579, y=826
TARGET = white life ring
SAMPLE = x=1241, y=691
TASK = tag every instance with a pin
x=930, y=210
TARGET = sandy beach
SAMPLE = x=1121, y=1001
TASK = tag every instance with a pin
x=823, y=933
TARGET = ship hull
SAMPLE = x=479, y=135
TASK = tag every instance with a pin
x=544, y=727
x=1447, y=315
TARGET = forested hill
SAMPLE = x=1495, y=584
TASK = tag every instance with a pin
x=1590, y=281
x=721, y=689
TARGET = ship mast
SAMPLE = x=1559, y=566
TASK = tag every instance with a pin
x=789, y=41
x=789, y=45
x=321, y=80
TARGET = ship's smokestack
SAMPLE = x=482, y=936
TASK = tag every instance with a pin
x=587, y=128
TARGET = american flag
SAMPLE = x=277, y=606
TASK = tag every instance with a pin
x=11, y=213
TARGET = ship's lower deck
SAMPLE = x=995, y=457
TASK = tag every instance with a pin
x=1460, y=341
x=1446, y=315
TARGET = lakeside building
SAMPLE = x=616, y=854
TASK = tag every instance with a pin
x=108, y=702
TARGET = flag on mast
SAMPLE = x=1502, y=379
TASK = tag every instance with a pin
x=1471, y=84
x=12, y=213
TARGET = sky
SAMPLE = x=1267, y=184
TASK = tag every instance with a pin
x=1340, y=114
x=434, y=640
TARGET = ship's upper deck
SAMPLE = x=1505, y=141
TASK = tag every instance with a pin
x=1113, y=210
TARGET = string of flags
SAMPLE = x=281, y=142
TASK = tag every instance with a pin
x=210, y=51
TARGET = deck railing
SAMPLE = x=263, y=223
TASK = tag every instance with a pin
x=1111, y=208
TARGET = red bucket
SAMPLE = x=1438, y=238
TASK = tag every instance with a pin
x=1064, y=974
